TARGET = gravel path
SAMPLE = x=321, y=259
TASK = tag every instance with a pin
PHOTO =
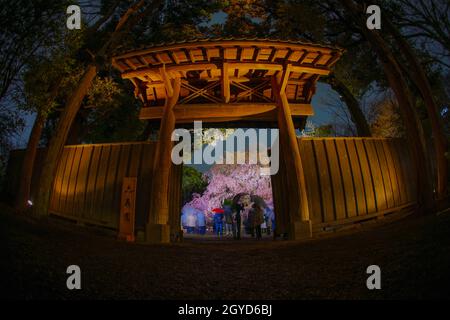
x=413, y=253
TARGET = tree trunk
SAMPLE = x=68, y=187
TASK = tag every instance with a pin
x=414, y=130
x=24, y=191
x=357, y=116
x=59, y=139
x=72, y=107
x=418, y=76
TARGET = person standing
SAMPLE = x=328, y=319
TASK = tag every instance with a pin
x=237, y=222
x=201, y=223
x=269, y=217
x=191, y=221
x=218, y=223
x=257, y=219
x=228, y=213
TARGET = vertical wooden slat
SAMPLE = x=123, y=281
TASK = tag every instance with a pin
x=98, y=212
x=144, y=184
x=367, y=176
x=324, y=178
x=65, y=182
x=134, y=164
x=336, y=180
x=57, y=185
x=70, y=199
x=390, y=203
x=377, y=179
x=346, y=172
x=392, y=172
x=312, y=183
x=80, y=191
x=110, y=212
x=358, y=179
x=90, y=191
x=399, y=170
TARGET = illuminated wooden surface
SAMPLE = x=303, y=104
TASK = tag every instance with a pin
x=227, y=81
x=128, y=209
x=363, y=194
x=231, y=112
x=223, y=72
x=95, y=180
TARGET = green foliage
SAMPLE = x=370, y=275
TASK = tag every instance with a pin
x=294, y=19
x=102, y=93
x=49, y=78
x=174, y=20
x=387, y=121
x=114, y=117
x=324, y=131
x=192, y=182
x=244, y=18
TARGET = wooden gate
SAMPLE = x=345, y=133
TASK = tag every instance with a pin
x=347, y=180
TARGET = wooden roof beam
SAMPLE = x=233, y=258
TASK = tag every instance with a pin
x=231, y=65
x=169, y=69
x=215, y=111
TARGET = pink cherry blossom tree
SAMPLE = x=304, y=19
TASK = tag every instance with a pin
x=226, y=181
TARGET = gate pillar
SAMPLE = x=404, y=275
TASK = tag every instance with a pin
x=158, y=228
x=297, y=200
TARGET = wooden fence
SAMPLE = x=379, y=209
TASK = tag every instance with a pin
x=349, y=179
x=89, y=179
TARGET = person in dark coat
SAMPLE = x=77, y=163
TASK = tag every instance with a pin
x=218, y=223
x=237, y=221
x=228, y=217
x=257, y=219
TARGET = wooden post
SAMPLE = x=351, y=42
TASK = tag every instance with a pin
x=225, y=83
x=127, y=209
x=298, y=209
x=158, y=229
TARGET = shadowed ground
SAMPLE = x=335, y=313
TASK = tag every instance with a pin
x=413, y=253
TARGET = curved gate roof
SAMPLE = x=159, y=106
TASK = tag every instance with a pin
x=224, y=74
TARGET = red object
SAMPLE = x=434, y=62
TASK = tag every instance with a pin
x=218, y=210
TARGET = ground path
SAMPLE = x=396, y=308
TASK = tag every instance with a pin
x=413, y=253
